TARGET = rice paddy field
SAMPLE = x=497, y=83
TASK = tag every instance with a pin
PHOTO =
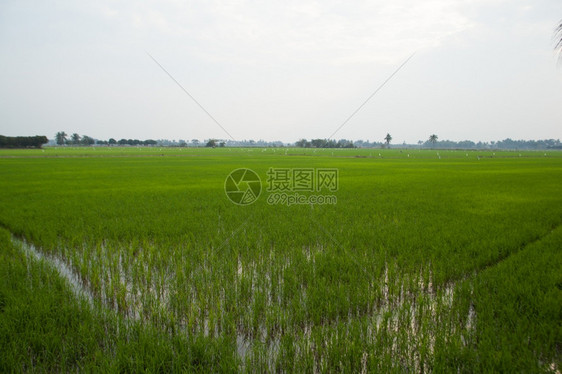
x=135, y=259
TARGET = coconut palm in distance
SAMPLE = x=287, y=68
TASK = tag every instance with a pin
x=75, y=139
x=433, y=138
x=387, y=139
x=61, y=137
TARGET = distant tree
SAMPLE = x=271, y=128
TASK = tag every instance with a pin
x=325, y=143
x=211, y=143
x=122, y=141
x=387, y=140
x=344, y=143
x=75, y=139
x=22, y=141
x=465, y=144
x=61, y=137
x=195, y=142
x=222, y=144
x=318, y=143
x=39, y=140
x=112, y=141
x=150, y=142
x=86, y=140
x=433, y=138
x=303, y=143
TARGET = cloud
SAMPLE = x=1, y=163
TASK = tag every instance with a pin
x=333, y=32
x=276, y=69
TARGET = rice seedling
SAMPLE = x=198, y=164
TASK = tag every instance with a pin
x=410, y=271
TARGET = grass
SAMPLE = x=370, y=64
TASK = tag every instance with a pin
x=44, y=327
x=412, y=270
x=132, y=151
x=519, y=302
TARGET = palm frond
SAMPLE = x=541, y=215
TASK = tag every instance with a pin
x=558, y=37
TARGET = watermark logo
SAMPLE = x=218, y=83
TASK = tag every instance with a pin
x=285, y=186
x=302, y=180
x=288, y=186
x=295, y=198
x=242, y=186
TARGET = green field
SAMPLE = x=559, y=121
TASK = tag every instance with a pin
x=430, y=260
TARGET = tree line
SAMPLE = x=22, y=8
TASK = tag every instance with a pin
x=432, y=142
x=325, y=143
x=502, y=144
x=23, y=141
x=62, y=138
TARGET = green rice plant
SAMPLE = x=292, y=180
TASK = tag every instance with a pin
x=407, y=272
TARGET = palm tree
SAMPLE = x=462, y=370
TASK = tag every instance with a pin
x=61, y=137
x=75, y=139
x=387, y=139
x=433, y=139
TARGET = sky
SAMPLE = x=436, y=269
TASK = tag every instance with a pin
x=481, y=70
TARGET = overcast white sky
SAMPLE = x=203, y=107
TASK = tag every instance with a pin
x=281, y=70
